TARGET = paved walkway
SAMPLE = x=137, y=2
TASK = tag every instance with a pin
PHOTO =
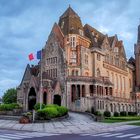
x=76, y=123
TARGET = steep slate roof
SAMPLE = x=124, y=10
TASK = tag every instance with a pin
x=70, y=22
x=132, y=61
x=111, y=39
x=88, y=30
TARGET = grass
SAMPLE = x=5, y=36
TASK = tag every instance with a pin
x=121, y=119
x=137, y=124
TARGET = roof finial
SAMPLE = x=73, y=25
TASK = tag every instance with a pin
x=69, y=5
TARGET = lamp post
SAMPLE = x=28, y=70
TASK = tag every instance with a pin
x=41, y=80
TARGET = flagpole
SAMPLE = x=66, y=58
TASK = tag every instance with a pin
x=41, y=79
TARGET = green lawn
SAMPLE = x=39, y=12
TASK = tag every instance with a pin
x=121, y=119
x=138, y=124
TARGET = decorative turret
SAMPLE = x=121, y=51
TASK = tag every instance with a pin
x=70, y=22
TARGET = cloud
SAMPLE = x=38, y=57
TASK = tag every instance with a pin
x=26, y=24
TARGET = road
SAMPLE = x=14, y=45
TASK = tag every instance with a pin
x=132, y=134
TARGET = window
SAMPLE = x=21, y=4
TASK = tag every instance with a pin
x=116, y=61
x=98, y=73
x=111, y=59
x=107, y=58
x=81, y=32
x=98, y=57
x=73, y=41
x=86, y=59
x=72, y=73
x=116, y=50
x=62, y=24
x=77, y=73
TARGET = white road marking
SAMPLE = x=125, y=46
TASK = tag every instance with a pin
x=84, y=134
x=18, y=135
x=126, y=135
x=4, y=139
x=10, y=137
x=135, y=137
x=101, y=134
x=111, y=135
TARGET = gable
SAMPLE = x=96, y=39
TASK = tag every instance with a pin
x=27, y=74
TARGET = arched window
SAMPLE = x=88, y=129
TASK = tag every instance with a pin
x=77, y=73
x=98, y=73
x=72, y=73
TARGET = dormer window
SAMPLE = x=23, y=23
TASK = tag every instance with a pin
x=116, y=50
x=93, y=33
x=62, y=25
x=81, y=32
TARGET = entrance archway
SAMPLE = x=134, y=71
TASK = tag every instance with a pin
x=31, y=98
x=45, y=98
x=57, y=100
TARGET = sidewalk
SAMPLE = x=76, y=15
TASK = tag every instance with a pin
x=77, y=123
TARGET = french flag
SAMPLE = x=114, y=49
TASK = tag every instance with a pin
x=38, y=55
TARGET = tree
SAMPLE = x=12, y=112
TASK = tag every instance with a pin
x=10, y=96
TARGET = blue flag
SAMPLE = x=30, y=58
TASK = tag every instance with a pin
x=39, y=54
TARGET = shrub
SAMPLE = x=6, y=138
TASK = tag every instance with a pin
x=107, y=114
x=123, y=113
x=37, y=106
x=116, y=114
x=62, y=110
x=132, y=113
x=97, y=113
x=51, y=111
x=41, y=114
x=52, y=105
x=8, y=107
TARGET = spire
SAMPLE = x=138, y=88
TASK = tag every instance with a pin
x=70, y=22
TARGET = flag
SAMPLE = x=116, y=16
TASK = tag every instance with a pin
x=39, y=53
x=31, y=56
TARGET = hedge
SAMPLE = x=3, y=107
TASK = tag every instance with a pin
x=116, y=114
x=51, y=111
x=129, y=118
x=37, y=106
x=107, y=114
x=123, y=113
x=9, y=107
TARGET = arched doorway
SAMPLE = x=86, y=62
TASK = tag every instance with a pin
x=57, y=100
x=31, y=98
x=45, y=98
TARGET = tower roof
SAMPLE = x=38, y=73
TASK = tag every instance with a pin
x=70, y=22
x=69, y=12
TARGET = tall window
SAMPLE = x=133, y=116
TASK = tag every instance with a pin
x=73, y=41
x=77, y=73
x=86, y=59
x=98, y=57
x=72, y=73
x=98, y=73
x=73, y=57
x=116, y=61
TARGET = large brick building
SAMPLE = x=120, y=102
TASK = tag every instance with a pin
x=83, y=68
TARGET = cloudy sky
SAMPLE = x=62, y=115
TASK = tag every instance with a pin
x=26, y=24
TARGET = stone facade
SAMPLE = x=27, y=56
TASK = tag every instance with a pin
x=82, y=69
